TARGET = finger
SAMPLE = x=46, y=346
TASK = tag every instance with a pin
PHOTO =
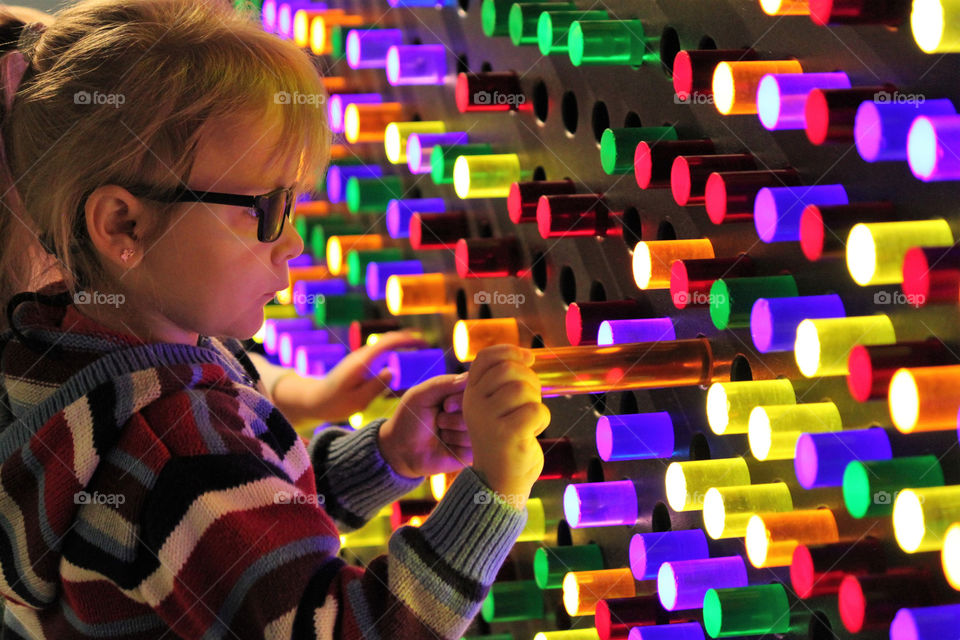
x=452, y=421
x=434, y=391
x=492, y=356
x=454, y=403
x=533, y=415
x=392, y=341
x=463, y=454
x=370, y=389
x=455, y=438
x=512, y=395
x=505, y=372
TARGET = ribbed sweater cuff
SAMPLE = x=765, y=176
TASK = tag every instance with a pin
x=352, y=474
x=472, y=528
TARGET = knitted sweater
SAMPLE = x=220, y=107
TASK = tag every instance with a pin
x=153, y=487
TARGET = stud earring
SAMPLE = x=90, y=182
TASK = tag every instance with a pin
x=126, y=254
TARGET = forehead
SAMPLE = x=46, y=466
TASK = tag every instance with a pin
x=240, y=155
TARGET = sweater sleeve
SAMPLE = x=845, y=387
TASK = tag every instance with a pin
x=352, y=476
x=232, y=548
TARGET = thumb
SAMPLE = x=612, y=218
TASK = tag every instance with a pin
x=433, y=391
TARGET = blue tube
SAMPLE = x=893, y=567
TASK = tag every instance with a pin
x=777, y=210
x=613, y=332
x=821, y=458
x=410, y=368
x=650, y=550
x=600, y=504
x=378, y=272
x=774, y=321
x=337, y=105
x=338, y=175
x=880, y=129
x=635, y=436
x=782, y=98
x=306, y=292
x=399, y=212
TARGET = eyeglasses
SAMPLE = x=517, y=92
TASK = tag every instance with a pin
x=272, y=208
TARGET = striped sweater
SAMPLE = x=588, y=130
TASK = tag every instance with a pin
x=153, y=490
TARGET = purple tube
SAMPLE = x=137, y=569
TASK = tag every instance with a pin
x=635, y=436
x=677, y=631
x=318, y=359
x=650, y=550
x=273, y=327
x=289, y=341
x=933, y=148
x=774, y=321
x=367, y=48
x=880, y=129
x=682, y=584
x=399, y=212
x=338, y=102
x=416, y=64
x=925, y=623
x=339, y=174
x=302, y=260
x=420, y=146
x=378, y=272
x=306, y=292
x=613, y=332
x=782, y=97
x=777, y=210
x=601, y=504
x=410, y=368
x=821, y=458
x=268, y=16
x=413, y=4
x=285, y=13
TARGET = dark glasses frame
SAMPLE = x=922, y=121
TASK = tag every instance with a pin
x=271, y=214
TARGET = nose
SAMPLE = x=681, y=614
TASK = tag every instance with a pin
x=289, y=245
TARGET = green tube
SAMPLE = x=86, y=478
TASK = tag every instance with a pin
x=618, y=146
x=339, y=310
x=870, y=487
x=357, y=262
x=732, y=300
x=329, y=227
x=553, y=28
x=611, y=42
x=746, y=611
x=513, y=601
x=371, y=195
x=495, y=14
x=443, y=157
x=550, y=564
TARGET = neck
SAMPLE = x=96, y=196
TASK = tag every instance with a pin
x=146, y=326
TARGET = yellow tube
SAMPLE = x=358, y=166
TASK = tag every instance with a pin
x=727, y=510
x=823, y=345
x=487, y=176
x=775, y=429
x=471, y=336
x=396, y=134
x=418, y=294
x=875, y=250
x=729, y=403
x=687, y=482
x=922, y=516
x=936, y=25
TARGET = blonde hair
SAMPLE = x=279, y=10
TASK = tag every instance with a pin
x=176, y=65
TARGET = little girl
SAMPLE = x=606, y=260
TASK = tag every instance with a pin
x=148, y=486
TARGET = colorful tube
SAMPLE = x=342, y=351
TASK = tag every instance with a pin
x=934, y=25
x=600, y=504
x=652, y=260
x=931, y=275
x=495, y=14
x=273, y=327
x=869, y=487
x=417, y=64
x=582, y=590
x=615, y=617
x=677, y=631
x=444, y=156
x=872, y=367
x=438, y=230
x=925, y=623
x=367, y=48
x=823, y=230
x=635, y=436
x=950, y=556
x=881, y=128
x=611, y=42
x=932, y=147
x=553, y=28
x=641, y=365
x=921, y=517
x=583, y=319
x=618, y=146
x=524, y=197
x=868, y=603
x=819, y=570
x=774, y=321
x=489, y=91
x=339, y=174
x=648, y=551
x=653, y=161
x=410, y=368
x=772, y=537
x=420, y=148
x=875, y=251
x=821, y=458
x=396, y=135
x=823, y=345
x=371, y=195
x=727, y=510
x=317, y=359
x=488, y=257
x=683, y=584
x=366, y=122
x=399, y=212
x=339, y=310
x=687, y=482
x=781, y=99
x=361, y=330
x=691, y=280
x=689, y=174
x=785, y=8
x=305, y=292
x=829, y=114
x=339, y=246
x=407, y=295
x=559, y=462
x=290, y=340
x=693, y=69
x=731, y=300
x=377, y=274
x=551, y=564
x=774, y=430
x=582, y=214
x=485, y=176
x=337, y=104
x=471, y=336
x=357, y=262
x=731, y=196
x=777, y=210
x=924, y=398
x=729, y=403
x=735, y=83
x=833, y=12
x=512, y=601
x=613, y=332
x=746, y=611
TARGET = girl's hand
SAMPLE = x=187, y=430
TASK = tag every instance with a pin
x=427, y=434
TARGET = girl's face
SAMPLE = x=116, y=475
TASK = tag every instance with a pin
x=208, y=274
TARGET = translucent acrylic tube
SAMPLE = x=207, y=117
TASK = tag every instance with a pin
x=821, y=458
x=772, y=537
x=754, y=610
x=636, y=436
x=687, y=482
x=650, y=550
x=875, y=251
x=921, y=517
x=924, y=398
x=729, y=403
x=600, y=504
x=582, y=590
x=773, y=430
x=822, y=347
x=683, y=584
x=726, y=510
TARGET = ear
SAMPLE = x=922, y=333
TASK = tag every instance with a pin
x=116, y=220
